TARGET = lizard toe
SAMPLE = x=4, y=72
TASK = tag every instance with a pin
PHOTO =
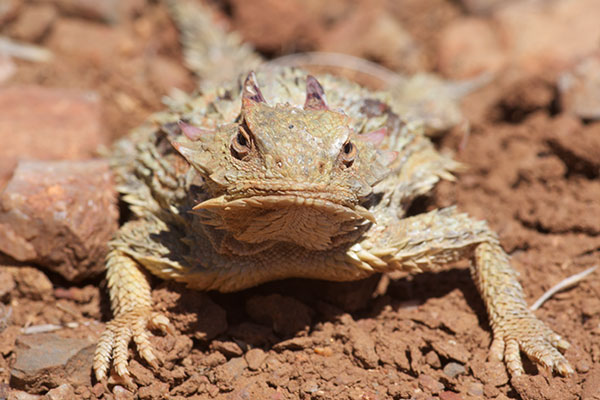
x=114, y=342
x=538, y=342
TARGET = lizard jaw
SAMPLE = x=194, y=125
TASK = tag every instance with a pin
x=313, y=223
x=281, y=201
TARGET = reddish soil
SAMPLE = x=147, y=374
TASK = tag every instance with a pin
x=533, y=172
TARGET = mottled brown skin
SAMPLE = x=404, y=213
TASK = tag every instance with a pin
x=278, y=182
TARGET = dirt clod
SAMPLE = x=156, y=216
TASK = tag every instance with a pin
x=59, y=214
x=45, y=361
x=530, y=148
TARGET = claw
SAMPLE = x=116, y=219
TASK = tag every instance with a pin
x=564, y=368
x=536, y=340
x=114, y=342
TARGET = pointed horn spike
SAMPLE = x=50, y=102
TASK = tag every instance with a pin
x=375, y=137
x=251, y=91
x=388, y=157
x=315, y=95
x=192, y=132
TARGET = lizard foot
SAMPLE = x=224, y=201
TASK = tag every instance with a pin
x=534, y=338
x=114, y=342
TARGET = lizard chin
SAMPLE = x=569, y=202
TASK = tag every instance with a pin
x=313, y=223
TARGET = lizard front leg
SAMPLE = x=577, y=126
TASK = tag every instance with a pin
x=426, y=241
x=131, y=303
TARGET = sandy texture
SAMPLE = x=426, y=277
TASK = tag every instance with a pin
x=533, y=173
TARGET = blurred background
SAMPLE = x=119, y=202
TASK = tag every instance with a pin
x=77, y=74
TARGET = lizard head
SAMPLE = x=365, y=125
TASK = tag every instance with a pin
x=284, y=172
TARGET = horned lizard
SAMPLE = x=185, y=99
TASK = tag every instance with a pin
x=280, y=174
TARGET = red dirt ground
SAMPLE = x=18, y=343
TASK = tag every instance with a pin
x=533, y=172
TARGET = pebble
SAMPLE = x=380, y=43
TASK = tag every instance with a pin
x=580, y=89
x=63, y=392
x=453, y=369
x=59, y=214
x=446, y=395
x=433, y=360
x=475, y=389
x=34, y=22
x=429, y=384
x=541, y=36
x=582, y=367
x=49, y=360
x=48, y=124
x=470, y=47
x=255, y=358
x=228, y=349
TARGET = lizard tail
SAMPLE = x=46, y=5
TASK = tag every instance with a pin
x=214, y=55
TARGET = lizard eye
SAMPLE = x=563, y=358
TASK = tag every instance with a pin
x=241, y=144
x=348, y=154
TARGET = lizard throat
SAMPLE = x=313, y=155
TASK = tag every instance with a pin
x=309, y=222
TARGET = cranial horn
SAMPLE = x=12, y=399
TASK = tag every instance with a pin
x=315, y=96
x=251, y=91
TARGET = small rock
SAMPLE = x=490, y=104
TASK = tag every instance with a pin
x=286, y=315
x=453, y=369
x=449, y=348
x=541, y=36
x=63, y=392
x=214, y=359
x=8, y=10
x=310, y=386
x=255, y=358
x=470, y=47
x=228, y=349
x=72, y=37
x=228, y=373
x=156, y=391
x=430, y=385
x=110, y=11
x=59, y=214
x=98, y=389
x=45, y=124
x=193, y=384
x=582, y=367
x=363, y=347
x=48, y=360
x=7, y=283
x=121, y=393
x=19, y=395
x=578, y=147
x=32, y=283
x=141, y=375
x=475, y=389
x=446, y=395
x=294, y=344
x=580, y=89
x=373, y=33
x=167, y=74
x=279, y=27
x=34, y=22
x=491, y=373
x=433, y=360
